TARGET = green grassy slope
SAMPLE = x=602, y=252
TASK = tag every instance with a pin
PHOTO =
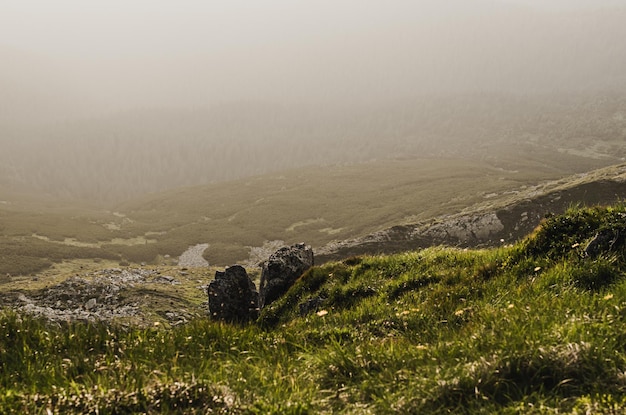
x=537, y=327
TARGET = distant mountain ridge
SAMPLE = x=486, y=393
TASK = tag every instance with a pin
x=506, y=220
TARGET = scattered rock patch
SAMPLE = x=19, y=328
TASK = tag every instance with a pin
x=94, y=297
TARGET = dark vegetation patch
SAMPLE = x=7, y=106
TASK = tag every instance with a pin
x=28, y=255
x=572, y=232
x=11, y=264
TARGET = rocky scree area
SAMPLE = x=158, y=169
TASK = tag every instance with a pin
x=128, y=295
x=192, y=257
x=99, y=296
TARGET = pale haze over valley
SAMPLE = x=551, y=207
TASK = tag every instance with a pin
x=103, y=100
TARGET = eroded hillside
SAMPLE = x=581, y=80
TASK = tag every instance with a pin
x=502, y=219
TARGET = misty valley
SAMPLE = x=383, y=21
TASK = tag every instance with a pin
x=142, y=186
x=315, y=207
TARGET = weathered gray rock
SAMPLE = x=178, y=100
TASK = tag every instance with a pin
x=281, y=271
x=89, y=305
x=233, y=296
x=467, y=228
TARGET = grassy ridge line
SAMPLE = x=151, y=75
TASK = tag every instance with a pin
x=532, y=328
x=516, y=212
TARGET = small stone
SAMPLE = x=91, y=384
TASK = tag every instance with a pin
x=165, y=279
x=90, y=304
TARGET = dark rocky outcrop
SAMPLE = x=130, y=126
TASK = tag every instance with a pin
x=282, y=269
x=233, y=296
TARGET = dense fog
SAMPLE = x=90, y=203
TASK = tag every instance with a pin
x=165, y=94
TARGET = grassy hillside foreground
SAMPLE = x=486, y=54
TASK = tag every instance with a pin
x=538, y=327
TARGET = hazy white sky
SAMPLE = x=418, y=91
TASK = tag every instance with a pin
x=561, y=5
x=147, y=27
x=196, y=51
x=111, y=28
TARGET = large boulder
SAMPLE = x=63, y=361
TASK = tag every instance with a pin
x=233, y=296
x=282, y=269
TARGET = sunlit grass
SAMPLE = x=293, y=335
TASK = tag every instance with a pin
x=525, y=328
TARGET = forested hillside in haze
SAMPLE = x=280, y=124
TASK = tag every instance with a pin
x=115, y=158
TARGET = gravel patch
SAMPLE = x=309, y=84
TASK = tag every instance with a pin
x=192, y=257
